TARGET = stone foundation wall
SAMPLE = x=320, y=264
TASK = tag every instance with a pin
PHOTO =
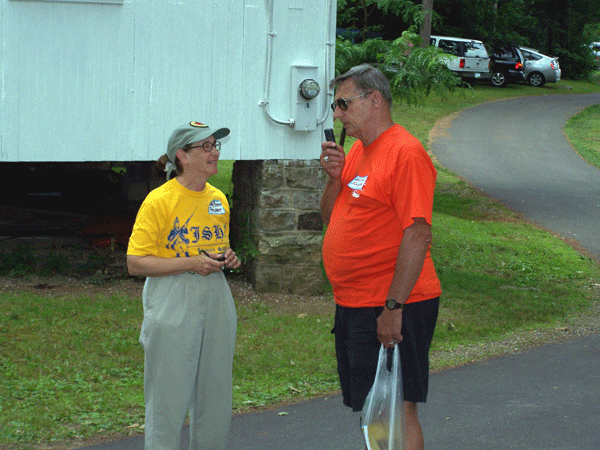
x=276, y=216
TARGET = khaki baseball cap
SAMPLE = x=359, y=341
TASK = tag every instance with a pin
x=189, y=133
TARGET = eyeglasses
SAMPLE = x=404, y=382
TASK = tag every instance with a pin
x=208, y=146
x=342, y=103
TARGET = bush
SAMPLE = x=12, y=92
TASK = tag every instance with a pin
x=19, y=262
x=23, y=261
x=348, y=55
x=417, y=72
x=577, y=64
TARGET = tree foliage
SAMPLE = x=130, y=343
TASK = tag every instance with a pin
x=556, y=28
x=348, y=55
x=385, y=18
x=414, y=72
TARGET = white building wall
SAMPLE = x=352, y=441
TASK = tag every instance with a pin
x=90, y=81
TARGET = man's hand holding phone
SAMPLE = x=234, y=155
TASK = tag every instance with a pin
x=332, y=155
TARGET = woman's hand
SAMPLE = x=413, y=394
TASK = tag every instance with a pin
x=203, y=264
x=207, y=262
x=231, y=260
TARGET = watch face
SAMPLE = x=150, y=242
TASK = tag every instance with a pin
x=391, y=303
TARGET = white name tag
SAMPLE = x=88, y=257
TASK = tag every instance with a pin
x=216, y=207
x=357, y=183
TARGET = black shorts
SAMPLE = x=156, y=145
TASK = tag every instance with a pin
x=357, y=350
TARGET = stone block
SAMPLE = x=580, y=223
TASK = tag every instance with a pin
x=303, y=177
x=272, y=177
x=274, y=199
x=267, y=278
x=276, y=220
x=305, y=199
x=312, y=221
x=297, y=248
x=305, y=280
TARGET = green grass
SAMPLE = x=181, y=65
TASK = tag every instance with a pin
x=294, y=362
x=583, y=130
x=72, y=367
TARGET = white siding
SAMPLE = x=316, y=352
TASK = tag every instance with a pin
x=110, y=81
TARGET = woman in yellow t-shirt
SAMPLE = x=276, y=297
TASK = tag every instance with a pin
x=180, y=242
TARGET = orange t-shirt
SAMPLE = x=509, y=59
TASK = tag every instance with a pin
x=385, y=186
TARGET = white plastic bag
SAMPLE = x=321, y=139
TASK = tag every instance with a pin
x=382, y=417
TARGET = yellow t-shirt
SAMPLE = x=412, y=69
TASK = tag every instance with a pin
x=174, y=221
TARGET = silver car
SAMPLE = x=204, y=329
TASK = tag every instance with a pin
x=540, y=69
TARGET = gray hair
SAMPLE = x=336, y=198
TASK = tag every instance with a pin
x=367, y=78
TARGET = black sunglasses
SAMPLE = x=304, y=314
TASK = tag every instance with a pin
x=342, y=103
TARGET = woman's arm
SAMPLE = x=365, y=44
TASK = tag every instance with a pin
x=155, y=266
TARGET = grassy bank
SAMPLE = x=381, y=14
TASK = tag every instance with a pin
x=72, y=367
x=583, y=130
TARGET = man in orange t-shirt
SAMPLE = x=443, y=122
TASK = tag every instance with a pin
x=377, y=205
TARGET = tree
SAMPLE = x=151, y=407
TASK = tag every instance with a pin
x=358, y=14
x=557, y=28
x=386, y=18
x=427, y=8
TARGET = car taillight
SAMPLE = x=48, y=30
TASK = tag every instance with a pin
x=552, y=65
x=461, y=64
x=519, y=66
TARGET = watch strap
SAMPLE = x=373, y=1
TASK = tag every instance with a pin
x=392, y=304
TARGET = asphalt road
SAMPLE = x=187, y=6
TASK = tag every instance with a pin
x=516, y=151
x=544, y=399
x=547, y=398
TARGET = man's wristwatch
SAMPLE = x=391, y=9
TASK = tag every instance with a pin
x=392, y=304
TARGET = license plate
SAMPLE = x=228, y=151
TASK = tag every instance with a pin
x=477, y=75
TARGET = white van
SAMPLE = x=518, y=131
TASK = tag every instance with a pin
x=472, y=60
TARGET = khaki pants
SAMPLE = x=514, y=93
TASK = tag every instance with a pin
x=188, y=336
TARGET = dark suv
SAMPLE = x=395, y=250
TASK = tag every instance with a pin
x=506, y=65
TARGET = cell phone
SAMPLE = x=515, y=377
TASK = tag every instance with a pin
x=220, y=258
x=329, y=135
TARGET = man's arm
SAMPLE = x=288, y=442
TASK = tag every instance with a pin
x=332, y=189
x=411, y=256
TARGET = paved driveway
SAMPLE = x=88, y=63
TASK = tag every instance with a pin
x=516, y=151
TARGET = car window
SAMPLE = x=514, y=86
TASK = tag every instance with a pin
x=530, y=56
x=475, y=50
x=504, y=52
x=452, y=47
